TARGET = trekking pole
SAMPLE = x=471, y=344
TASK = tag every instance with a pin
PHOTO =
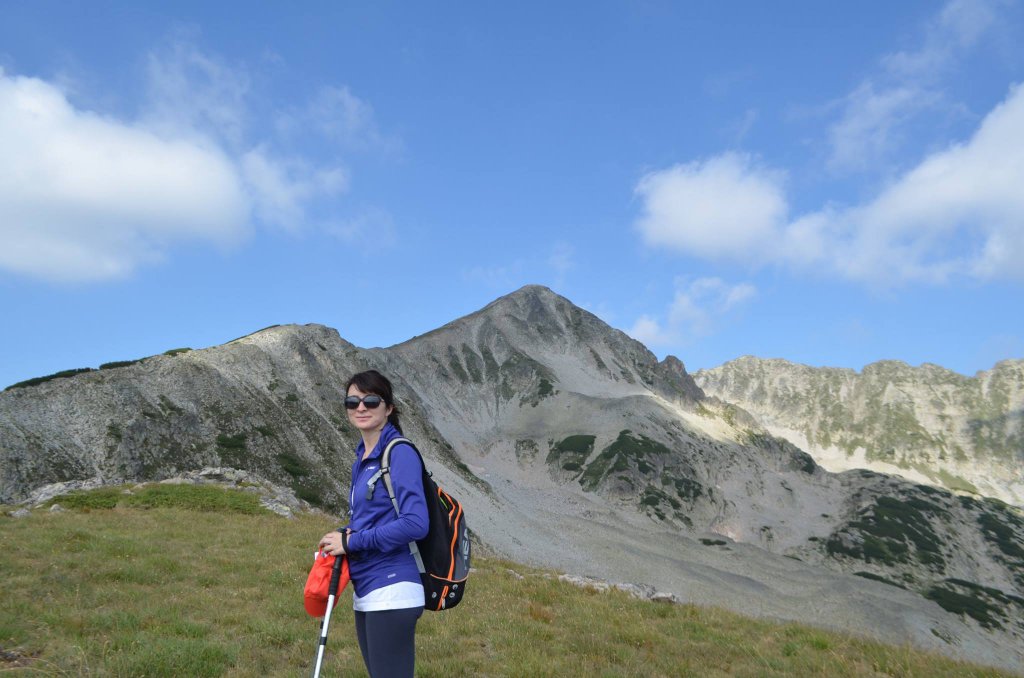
x=332, y=592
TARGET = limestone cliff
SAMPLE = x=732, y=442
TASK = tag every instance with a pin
x=926, y=423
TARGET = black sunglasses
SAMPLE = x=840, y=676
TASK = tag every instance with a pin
x=372, y=402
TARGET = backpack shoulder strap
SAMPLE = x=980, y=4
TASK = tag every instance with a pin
x=385, y=472
x=385, y=469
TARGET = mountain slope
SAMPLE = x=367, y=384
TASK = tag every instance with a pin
x=572, y=447
x=926, y=423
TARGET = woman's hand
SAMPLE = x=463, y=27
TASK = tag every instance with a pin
x=331, y=543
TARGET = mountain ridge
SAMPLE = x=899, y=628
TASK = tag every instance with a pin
x=927, y=423
x=574, y=448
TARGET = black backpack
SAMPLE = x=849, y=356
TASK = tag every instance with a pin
x=443, y=555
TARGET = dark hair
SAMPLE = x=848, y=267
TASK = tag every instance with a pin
x=372, y=381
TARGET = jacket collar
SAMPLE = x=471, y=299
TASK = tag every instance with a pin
x=387, y=434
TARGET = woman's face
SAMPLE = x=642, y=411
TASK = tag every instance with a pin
x=364, y=418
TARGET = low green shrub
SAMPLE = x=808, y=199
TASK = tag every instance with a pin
x=63, y=374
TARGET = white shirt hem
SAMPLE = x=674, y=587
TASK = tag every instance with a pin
x=398, y=596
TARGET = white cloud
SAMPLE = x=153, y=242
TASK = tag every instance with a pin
x=877, y=111
x=722, y=207
x=696, y=310
x=959, y=212
x=89, y=197
x=192, y=94
x=86, y=197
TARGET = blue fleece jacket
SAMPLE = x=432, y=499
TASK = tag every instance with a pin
x=380, y=538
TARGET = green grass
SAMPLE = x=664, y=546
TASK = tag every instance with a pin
x=178, y=590
x=193, y=497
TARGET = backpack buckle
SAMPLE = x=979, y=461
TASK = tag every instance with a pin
x=372, y=482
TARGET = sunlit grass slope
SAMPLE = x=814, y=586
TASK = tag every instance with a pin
x=198, y=581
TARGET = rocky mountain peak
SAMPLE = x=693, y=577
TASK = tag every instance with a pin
x=536, y=340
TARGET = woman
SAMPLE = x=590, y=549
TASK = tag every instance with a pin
x=388, y=598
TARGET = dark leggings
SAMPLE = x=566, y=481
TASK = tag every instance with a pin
x=387, y=640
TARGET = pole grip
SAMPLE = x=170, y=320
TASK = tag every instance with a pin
x=332, y=589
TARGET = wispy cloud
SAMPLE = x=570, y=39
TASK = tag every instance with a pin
x=281, y=187
x=370, y=228
x=561, y=261
x=876, y=113
x=339, y=115
x=497, y=276
x=93, y=196
x=192, y=92
x=958, y=26
x=550, y=266
x=872, y=122
x=696, y=310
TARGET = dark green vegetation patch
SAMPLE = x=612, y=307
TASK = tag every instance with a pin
x=570, y=453
x=632, y=463
x=999, y=530
x=629, y=450
x=292, y=465
x=232, y=450
x=988, y=606
x=305, y=486
x=235, y=442
x=1004, y=530
x=893, y=531
x=119, y=363
x=63, y=374
x=544, y=389
x=685, y=488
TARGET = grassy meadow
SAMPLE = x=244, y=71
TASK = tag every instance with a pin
x=199, y=581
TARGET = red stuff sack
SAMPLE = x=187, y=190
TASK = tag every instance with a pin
x=318, y=583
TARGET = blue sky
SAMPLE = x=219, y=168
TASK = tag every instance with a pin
x=829, y=184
